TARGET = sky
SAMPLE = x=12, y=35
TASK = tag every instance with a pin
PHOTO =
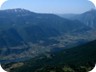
x=50, y=6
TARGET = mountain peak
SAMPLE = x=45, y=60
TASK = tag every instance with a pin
x=17, y=10
x=92, y=11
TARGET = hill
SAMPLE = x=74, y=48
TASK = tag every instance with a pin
x=78, y=59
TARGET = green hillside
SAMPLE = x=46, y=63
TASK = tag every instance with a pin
x=78, y=59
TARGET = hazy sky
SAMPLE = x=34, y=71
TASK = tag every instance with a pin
x=50, y=6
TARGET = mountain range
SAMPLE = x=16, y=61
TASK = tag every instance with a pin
x=25, y=34
x=88, y=18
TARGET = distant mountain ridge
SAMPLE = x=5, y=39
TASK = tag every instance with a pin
x=67, y=16
x=45, y=25
x=88, y=18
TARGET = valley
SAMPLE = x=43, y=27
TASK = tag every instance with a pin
x=77, y=59
x=41, y=42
